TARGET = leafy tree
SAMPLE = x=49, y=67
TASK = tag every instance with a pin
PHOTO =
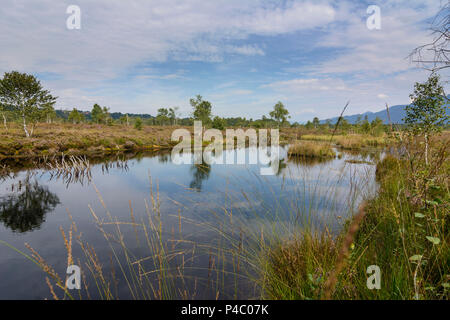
x=3, y=113
x=107, y=117
x=316, y=122
x=309, y=125
x=138, y=123
x=162, y=116
x=345, y=125
x=75, y=116
x=202, y=109
x=358, y=123
x=365, y=127
x=377, y=126
x=279, y=113
x=25, y=95
x=48, y=113
x=173, y=113
x=124, y=120
x=426, y=114
x=219, y=123
x=97, y=113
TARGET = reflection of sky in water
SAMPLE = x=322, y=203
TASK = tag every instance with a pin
x=197, y=192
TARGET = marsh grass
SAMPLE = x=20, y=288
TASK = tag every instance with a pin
x=350, y=141
x=403, y=230
x=291, y=240
x=230, y=253
x=163, y=262
x=82, y=140
x=311, y=150
x=306, y=246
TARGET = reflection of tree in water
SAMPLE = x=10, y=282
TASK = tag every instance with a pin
x=281, y=166
x=25, y=211
x=200, y=172
x=163, y=158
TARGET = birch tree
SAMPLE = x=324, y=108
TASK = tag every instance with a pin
x=24, y=94
x=427, y=113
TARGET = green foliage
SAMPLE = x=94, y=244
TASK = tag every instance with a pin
x=25, y=95
x=138, y=123
x=97, y=113
x=202, y=110
x=173, y=114
x=427, y=113
x=162, y=118
x=316, y=122
x=279, y=113
x=100, y=115
x=377, y=127
x=75, y=116
x=345, y=125
x=124, y=119
x=365, y=126
x=47, y=114
x=219, y=123
x=407, y=238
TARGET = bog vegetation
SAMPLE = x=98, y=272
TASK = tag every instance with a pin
x=403, y=229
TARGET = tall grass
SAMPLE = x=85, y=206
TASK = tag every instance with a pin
x=232, y=259
x=403, y=230
x=350, y=141
x=311, y=150
x=259, y=243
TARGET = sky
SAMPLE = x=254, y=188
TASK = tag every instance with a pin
x=137, y=56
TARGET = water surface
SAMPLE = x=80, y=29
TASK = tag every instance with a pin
x=35, y=203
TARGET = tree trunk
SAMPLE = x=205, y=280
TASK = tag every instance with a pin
x=25, y=127
x=426, y=149
x=4, y=121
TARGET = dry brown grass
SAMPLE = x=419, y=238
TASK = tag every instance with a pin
x=82, y=139
x=350, y=141
x=311, y=150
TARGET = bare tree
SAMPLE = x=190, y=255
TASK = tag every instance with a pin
x=434, y=56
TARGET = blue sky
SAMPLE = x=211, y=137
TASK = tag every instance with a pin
x=139, y=55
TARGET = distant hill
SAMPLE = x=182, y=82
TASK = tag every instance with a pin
x=397, y=114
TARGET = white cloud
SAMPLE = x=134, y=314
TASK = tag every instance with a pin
x=305, y=111
x=382, y=51
x=117, y=34
x=98, y=63
x=247, y=50
x=315, y=84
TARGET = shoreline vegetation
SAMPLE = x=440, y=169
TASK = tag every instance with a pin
x=403, y=229
x=309, y=149
x=89, y=140
x=97, y=140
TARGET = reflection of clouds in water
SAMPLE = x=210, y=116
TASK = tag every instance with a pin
x=320, y=190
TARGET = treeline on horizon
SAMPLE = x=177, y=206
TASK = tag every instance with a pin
x=168, y=117
x=24, y=101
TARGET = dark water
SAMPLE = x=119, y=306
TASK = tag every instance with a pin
x=236, y=199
